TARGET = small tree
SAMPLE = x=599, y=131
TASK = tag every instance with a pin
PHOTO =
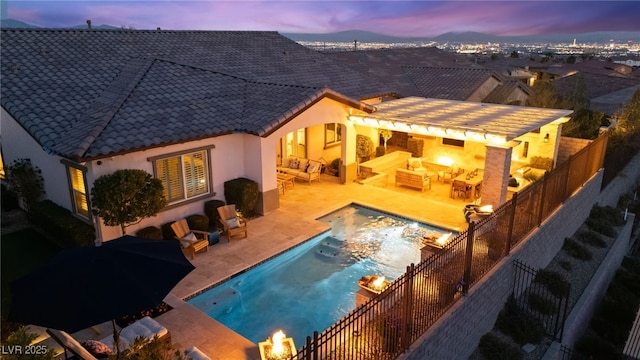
x=126, y=197
x=25, y=180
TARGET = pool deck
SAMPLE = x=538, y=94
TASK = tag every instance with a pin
x=289, y=225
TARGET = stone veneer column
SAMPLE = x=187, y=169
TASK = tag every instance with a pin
x=496, y=174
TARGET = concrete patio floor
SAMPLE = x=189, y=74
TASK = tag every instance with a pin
x=294, y=222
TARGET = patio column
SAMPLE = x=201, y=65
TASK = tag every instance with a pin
x=550, y=141
x=496, y=174
x=349, y=170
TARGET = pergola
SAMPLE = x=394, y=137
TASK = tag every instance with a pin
x=496, y=126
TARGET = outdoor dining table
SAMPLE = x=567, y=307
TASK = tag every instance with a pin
x=473, y=181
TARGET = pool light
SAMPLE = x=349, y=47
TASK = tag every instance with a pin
x=278, y=347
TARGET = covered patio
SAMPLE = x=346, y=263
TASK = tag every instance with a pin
x=458, y=138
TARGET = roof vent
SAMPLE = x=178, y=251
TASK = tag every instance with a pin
x=89, y=24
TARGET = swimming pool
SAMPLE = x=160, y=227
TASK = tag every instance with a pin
x=311, y=286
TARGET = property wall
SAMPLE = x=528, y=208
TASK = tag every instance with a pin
x=578, y=320
x=569, y=146
x=457, y=333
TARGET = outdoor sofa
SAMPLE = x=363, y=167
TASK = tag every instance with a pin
x=301, y=168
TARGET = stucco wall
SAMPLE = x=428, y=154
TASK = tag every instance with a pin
x=457, y=333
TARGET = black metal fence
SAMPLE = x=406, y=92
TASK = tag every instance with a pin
x=390, y=322
x=543, y=297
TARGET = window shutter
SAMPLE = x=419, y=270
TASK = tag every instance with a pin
x=170, y=173
x=79, y=191
x=195, y=174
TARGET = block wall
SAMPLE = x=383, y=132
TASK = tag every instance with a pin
x=457, y=333
x=569, y=146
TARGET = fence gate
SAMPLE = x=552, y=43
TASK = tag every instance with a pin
x=543, y=295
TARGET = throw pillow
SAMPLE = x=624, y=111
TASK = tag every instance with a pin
x=233, y=223
x=97, y=348
x=312, y=168
x=294, y=163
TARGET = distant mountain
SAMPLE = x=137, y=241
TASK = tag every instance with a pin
x=11, y=23
x=469, y=37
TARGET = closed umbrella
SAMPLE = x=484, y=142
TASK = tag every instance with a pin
x=78, y=288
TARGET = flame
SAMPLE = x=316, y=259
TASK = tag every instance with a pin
x=486, y=209
x=444, y=160
x=278, y=343
x=378, y=282
x=443, y=239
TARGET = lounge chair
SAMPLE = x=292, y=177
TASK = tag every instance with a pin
x=192, y=240
x=232, y=224
x=71, y=345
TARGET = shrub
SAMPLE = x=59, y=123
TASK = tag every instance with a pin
x=150, y=232
x=61, y=224
x=592, y=238
x=575, y=250
x=26, y=181
x=491, y=347
x=520, y=326
x=243, y=193
x=603, y=219
x=566, y=265
x=211, y=210
x=554, y=281
x=198, y=222
x=9, y=199
x=541, y=304
x=594, y=347
x=167, y=231
x=21, y=338
x=380, y=151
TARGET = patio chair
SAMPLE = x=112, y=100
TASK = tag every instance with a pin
x=192, y=240
x=459, y=188
x=232, y=224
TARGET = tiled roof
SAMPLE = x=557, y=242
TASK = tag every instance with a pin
x=501, y=93
x=83, y=94
x=447, y=83
x=597, y=85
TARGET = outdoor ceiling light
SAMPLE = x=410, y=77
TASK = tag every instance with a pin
x=546, y=138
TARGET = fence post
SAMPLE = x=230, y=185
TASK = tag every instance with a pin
x=408, y=306
x=512, y=217
x=307, y=353
x=542, y=196
x=468, y=259
x=315, y=346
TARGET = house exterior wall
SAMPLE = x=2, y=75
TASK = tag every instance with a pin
x=457, y=333
x=484, y=90
x=18, y=144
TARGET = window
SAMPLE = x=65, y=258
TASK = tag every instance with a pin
x=332, y=134
x=78, y=182
x=525, y=149
x=454, y=142
x=184, y=176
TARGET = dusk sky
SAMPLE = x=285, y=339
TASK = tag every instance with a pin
x=390, y=17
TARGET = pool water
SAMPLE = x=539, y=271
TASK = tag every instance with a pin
x=311, y=286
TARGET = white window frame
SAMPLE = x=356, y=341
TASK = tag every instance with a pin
x=78, y=193
x=332, y=137
x=205, y=175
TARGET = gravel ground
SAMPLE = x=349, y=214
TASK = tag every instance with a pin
x=578, y=276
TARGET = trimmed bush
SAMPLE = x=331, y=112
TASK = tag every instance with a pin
x=243, y=193
x=60, y=223
x=211, y=210
x=167, y=231
x=9, y=199
x=592, y=238
x=517, y=324
x=491, y=347
x=594, y=347
x=604, y=219
x=566, y=265
x=541, y=304
x=554, y=281
x=198, y=222
x=150, y=232
x=575, y=250
x=380, y=151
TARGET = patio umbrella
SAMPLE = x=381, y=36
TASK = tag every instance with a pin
x=78, y=288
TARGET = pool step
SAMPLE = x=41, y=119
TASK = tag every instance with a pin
x=333, y=249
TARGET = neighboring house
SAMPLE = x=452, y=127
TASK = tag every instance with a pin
x=198, y=108
x=430, y=72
